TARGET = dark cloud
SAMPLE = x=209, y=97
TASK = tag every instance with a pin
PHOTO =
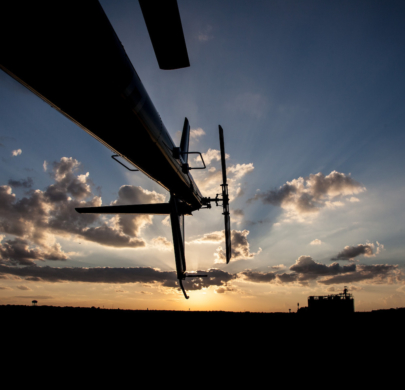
x=145, y=275
x=305, y=265
x=310, y=194
x=306, y=269
x=238, y=212
x=24, y=183
x=287, y=278
x=377, y=273
x=17, y=251
x=350, y=252
x=258, y=277
x=216, y=277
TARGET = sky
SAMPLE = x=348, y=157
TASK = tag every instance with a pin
x=311, y=97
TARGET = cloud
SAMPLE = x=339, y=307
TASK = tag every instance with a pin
x=27, y=183
x=238, y=212
x=18, y=252
x=166, y=221
x=223, y=290
x=305, y=265
x=16, y=152
x=240, y=248
x=41, y=215
x=239, y=244
x=350, y=252
x=24, y=288
x=162, y=243
x=45, y=166
x=145, y=275
x=131, y=225
x=211, y=155
x=195, y=134
x=279, y=266
x=315, y=242
x=258, y=277
x=209, y=181
x=311, y=194
x=376, y=274
x=213, y=237
x=306, y=269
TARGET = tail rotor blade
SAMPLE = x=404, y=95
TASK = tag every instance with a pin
x=225, y=198
x=222, y=146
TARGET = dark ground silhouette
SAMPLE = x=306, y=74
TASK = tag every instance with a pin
x=182, y=323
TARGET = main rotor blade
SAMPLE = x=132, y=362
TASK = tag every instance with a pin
x=162, y=18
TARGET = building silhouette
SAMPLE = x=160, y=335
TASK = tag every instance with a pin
x=342, y=303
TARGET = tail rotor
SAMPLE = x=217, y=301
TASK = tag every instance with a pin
x=225, y=198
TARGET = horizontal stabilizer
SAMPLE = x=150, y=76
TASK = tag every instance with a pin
x=153, y=208
x=162, y=18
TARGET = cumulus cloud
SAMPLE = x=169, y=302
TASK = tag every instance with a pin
x=240, y=248
x=315, y=242
x=311, y=194
x=16, y=152
x=40, y=216
x=350, y=252
x=144, y=275
x=45, y=166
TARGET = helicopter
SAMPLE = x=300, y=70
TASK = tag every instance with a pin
x=69, y=55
